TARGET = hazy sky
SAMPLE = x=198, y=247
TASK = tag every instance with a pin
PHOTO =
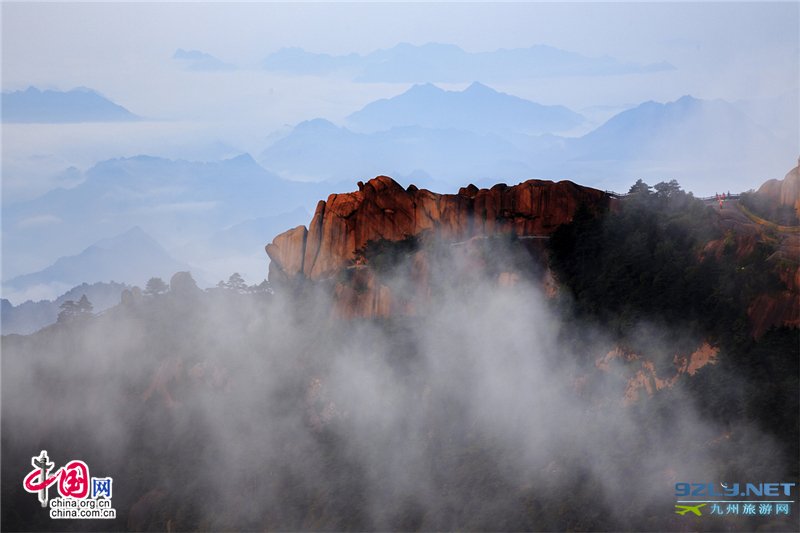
x=728, y=50
x=124, y=50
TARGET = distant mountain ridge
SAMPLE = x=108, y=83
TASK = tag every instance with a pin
x=31, y=316
x=654, y=141
x=131, y=257
x=249, y=234
x=693, y=126
x=320, y=150
x=182, y=202
x=152, y=192
x=477, y=108
x=175, y=201
x=198, y=61
x=437, y=62
x=78, y=105
x=240, y=247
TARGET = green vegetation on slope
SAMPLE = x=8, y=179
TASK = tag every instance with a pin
x=644, y=262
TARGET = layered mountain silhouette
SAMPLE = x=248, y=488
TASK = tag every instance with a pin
x=239, y=247
x=684, y=139
x=247, y=236
x=436, y=62
x=131, y=257
x=687, y=128
x=200, y=61
x=476, y=108
x=476, y=135
x=77, y=105
x=31, y=316
x=318, y=149
x=175, y=201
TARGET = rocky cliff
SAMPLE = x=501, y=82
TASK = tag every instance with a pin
x=783, y=193
x=767, y=218
x=335, y=249
x=383, y=210
x=332, y=249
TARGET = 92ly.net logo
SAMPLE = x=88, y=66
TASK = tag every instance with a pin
x=725, y=499
x=81, y=496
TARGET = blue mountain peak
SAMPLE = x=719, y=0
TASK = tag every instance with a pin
x=424, y=88
x=477, y=87
x=317, y=124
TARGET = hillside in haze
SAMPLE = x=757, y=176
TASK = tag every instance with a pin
x=240, y=247
x=477, y=108
x=31, y=316
x=131, y=257
x=175, y=201
x=688, y=129
x=777, y=201
x=48, y=106
x=400, y=266
x=425, y=136
x=685, y=138
x=479, y=133
x=435, y=62
x=320, y=150
x=198, y=61
x=544, y=344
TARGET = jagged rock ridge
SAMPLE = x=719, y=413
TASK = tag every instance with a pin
x=382, y=209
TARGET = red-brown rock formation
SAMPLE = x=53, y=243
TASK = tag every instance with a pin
x=743, y=231
x=785, y=192
x=382, y=209
x=332, y=247
x=782, y=309
x=640, y=373
x=290, y=246
x=774, y=310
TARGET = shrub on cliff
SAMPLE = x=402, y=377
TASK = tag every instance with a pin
x=384, y=255
x=644, y=261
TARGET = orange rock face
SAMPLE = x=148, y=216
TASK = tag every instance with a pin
x=289, y=245
x=781, y=308
x=382, y=209
x=785, y=192
x=743, y=232
x=774, y=310
x=640, y=373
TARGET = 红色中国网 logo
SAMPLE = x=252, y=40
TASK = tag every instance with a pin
x=82, y=497
x=726, y=499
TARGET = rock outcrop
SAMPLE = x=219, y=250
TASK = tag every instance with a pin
x=783, y=193
x=640, y=374
x=743, y=231
x=332, y=249
x=383, y=210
